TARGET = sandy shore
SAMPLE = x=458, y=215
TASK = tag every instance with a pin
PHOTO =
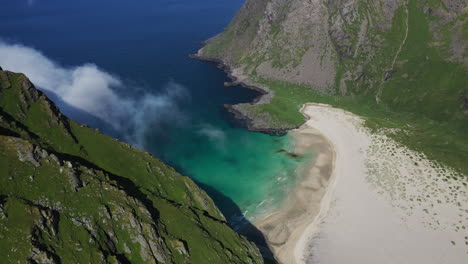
x=367, y=199
x=284, y=227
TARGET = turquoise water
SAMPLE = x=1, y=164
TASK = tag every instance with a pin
x=249, y=168
x=145, y=45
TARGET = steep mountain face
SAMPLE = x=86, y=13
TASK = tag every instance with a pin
x=69, y=194
x=401, y=63
x=409, y=54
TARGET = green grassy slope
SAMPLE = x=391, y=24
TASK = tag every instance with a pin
x=72, y=195
x=404, y=77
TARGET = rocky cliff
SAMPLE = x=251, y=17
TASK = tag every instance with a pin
x=69, y=194
x=378, y=49
x=400, y=61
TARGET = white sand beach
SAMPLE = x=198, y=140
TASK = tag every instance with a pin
x=285, y=226
x=368, y=199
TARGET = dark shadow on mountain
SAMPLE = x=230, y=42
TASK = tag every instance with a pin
x=238, y=222
x=235, y=218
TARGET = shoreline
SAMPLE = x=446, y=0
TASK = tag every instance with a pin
x=376, y=190
x=236, y=110
x=278, y=237
x=285, y=226
x=313, y=228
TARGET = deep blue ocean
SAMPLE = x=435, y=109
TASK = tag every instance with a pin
x=145, y=44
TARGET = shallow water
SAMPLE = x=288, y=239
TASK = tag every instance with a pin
x=145, y=44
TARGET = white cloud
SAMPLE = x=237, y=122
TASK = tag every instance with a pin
x=92, y=90
x=85, y=87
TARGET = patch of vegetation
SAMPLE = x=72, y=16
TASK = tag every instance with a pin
x=425, y=82
x=285, y=104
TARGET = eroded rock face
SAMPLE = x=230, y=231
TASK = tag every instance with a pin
x=40, y=256
x=306, y=41
x=302, y=41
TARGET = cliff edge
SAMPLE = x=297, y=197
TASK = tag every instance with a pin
x=69, y=194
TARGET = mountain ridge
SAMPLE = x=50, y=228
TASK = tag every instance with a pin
x=71, y=194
